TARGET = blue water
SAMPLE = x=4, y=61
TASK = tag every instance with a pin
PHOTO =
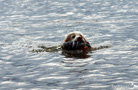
x=27, y=24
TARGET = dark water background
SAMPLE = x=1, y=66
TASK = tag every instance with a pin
x=27, y=24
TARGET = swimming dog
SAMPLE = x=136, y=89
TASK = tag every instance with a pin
x=76, y=41
x=74, y=44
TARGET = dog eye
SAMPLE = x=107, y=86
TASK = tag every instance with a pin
x=73, y=36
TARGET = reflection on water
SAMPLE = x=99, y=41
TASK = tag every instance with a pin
x=26, y=25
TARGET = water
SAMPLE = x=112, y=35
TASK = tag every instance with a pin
x=27, y=24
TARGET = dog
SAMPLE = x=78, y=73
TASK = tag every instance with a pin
x=76, y=45
x=72, y=41
x=77, y=37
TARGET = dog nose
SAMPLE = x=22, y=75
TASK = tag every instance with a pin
x=79, y=39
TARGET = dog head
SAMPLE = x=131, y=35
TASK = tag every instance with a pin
x=76, y=36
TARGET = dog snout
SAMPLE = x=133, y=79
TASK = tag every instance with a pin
x=79, y=39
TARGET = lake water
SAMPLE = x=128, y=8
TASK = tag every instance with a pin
x=27, y=24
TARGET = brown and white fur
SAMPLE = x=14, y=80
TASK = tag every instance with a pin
x=76, y=36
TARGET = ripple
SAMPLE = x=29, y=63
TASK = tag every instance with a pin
x=26, y=25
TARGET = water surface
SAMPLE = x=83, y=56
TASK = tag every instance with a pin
x=27, y=24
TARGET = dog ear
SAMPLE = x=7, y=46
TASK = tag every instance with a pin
x=85, y=39
x=67, y=38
